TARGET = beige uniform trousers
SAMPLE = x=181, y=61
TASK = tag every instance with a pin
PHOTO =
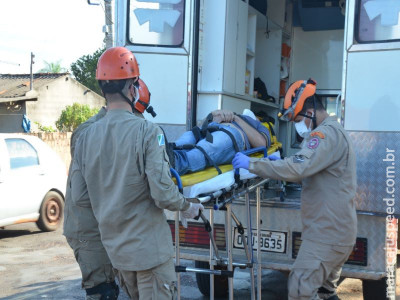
x=93, y=261
x=158, y=283
x=317, y=265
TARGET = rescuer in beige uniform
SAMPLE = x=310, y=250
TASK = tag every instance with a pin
x=326, y=167
x=82, y=233
x=81, y=227
x=123, y=161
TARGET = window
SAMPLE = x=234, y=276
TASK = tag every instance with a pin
x=377, y=21
x=21, y=153
x=156, y=22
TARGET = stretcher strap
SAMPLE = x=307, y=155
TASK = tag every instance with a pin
x=235, y=145
x=210, y=161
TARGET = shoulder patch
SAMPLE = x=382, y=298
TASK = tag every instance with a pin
x=298, y=159
x=313, y=143
x=161, y=140
x=318, y=134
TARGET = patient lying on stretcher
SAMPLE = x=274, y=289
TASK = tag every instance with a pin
x=222, y=134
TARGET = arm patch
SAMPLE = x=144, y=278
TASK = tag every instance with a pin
x=161, y=140
x=318, y=134
x=313, y=143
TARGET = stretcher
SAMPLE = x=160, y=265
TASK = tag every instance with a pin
x=218, y=192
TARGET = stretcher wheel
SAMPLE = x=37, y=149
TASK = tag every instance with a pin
x=203, y=281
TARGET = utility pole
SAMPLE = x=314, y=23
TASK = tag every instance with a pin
x=108, y=28
x=32, y=62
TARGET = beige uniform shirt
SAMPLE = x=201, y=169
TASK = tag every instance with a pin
x=79, y=220
x=125, y=166
x=326, y=166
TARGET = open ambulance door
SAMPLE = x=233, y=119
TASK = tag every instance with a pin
x=370, y=99
x=161, y=35
x=371, y=114
x=372, y=66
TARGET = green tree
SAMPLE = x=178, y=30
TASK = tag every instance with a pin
x=53, y=67
x=74, y=115
x=84, y=70
x=45, y=128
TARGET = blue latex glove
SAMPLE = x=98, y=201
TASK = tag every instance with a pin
x=241, y=161
x=274, y=157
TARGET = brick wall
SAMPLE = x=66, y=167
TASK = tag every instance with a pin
x=59, y=142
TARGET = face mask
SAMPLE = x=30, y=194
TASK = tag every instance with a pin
x=302, y=128
x=135, y=95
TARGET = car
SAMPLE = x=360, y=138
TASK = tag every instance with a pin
x=32, y=182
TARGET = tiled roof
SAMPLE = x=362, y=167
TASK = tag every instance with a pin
x=17, y=85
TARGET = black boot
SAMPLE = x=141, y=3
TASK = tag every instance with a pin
x=103, y=291
x=169, y=147
x=325, y=294
x=170, y=151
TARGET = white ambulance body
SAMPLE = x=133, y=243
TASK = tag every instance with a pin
x=200, y=55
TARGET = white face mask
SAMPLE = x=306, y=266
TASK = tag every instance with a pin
x=136, y=94
x=302, y=128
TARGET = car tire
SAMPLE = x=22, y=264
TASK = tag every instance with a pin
x=203, y=281
x=51, y=212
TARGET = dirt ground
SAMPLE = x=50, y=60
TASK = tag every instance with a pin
x=37, y=265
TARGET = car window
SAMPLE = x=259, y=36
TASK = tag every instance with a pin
x=21, y=153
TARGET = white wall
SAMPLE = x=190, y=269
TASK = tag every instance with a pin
x=319, y=55
x=268, y=60
x=54, y=97
x=166, y=76
x=372, y=97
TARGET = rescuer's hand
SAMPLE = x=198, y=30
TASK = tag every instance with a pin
x=241, y=161
x=192, y=212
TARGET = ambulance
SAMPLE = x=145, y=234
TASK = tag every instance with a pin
x=197, y=56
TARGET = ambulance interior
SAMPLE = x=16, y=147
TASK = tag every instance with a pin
x=290, y=41
x=275, y=42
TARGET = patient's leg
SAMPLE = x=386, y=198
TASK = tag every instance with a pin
x=186, y=138
x=221, y=151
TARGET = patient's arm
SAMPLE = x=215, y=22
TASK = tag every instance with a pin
x=220, y=116
x=256, y=139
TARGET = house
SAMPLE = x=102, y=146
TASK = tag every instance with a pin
x=50, y=94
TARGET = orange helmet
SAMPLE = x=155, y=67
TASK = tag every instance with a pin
x=117, y=63
x=295, y=97
x=143, y=103
x=144, y=97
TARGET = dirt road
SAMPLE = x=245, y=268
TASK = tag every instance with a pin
x=38, y=265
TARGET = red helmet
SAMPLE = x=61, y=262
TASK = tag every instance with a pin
x=117, y=63
x=144, y=97
x=143, y=103
x=295, y=97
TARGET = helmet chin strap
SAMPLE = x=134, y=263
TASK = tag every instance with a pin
x=148, y=108
x=314, y=118
x=132, y=104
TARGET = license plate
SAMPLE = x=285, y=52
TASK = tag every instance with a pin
x=271, y=241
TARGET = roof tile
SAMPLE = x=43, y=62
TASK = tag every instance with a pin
x=17, y=85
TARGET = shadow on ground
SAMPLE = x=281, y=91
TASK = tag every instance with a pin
x=8, y=233
x=66, y=290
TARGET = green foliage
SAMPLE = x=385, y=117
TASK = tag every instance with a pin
x=84, y=70
x=53, y=68
x=74, y=115
x=45, y=128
